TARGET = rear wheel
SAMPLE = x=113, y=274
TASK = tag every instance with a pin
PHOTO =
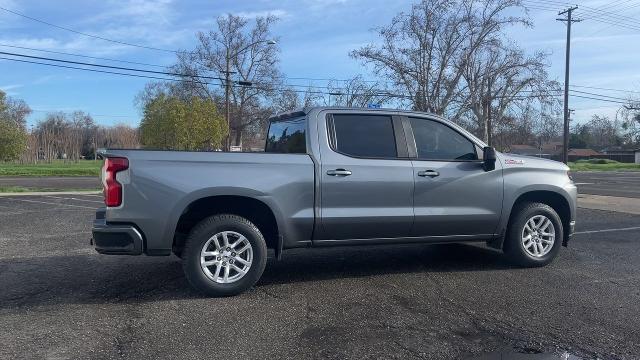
x=534, y=235
x=224, y=255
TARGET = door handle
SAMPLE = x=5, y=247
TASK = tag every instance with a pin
x=339, y=172
x=429, y=173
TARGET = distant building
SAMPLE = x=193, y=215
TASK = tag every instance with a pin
x=585, y=153
x=620, y=154
x=582, y=154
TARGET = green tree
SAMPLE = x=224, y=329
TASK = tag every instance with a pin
x=173, y=123
x=13, y=137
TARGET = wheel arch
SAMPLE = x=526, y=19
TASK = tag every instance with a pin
x=555, y=198
x=252, y=208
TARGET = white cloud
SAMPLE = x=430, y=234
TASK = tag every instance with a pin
x=143, y=22
x=158, y=12
x=8, y=20
x=255, y=14
x=7, y=89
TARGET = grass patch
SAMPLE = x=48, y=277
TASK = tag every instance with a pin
x=22, y=189
x=54, y=168
x=597, y=165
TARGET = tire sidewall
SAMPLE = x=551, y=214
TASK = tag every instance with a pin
x=202, y=233
x=516, y=248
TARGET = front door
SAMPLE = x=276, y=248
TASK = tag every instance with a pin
x=454, y=195
x=366, y=179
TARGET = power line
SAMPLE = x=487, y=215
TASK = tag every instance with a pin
x=603, y=88
x=84, y=56
x=165, y=66
x=92, y=70
x=605, y=17
x=604, y=100
x=271, y=87
x=86, y=34
x=595, y=13
x=613, y=4
x=168, y=73
x=604, y=96
x=110, y=66
x=611, y=25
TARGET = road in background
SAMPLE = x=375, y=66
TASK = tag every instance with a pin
x=60, y=299
x=52, y=182
x=609, y=183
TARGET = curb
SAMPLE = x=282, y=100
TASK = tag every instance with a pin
x=609, y=203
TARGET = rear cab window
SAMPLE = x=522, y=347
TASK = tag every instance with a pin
x=363, y=135
x=287, y=136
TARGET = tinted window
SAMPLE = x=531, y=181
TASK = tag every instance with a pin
x=436, y=141
x=364, y=135
x=287, y=136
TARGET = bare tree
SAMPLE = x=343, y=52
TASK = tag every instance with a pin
x=357, y=92
x=247, y=50
x=425, y=52
x=631, y=122
x=500, y=77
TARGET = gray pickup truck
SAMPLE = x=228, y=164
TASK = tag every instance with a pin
x=330, y=177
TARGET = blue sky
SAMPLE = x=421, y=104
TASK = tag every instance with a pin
x=315, y=39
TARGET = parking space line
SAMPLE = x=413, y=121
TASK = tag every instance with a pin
x=64, y=198
x=50, y=203
x=607, y=230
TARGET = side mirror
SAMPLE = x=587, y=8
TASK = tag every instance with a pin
x=489, y=158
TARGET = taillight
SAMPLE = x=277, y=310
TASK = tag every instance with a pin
x=112, y=188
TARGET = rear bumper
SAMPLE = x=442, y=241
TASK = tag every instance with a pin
x=115, y=239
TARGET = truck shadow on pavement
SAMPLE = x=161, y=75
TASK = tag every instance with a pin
x=348, y=262
x=91, y=279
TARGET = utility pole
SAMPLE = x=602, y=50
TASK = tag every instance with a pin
x=489, y=101
x=569, y=20
x=227, y=82
x=227, y=88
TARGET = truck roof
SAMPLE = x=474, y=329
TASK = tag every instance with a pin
x=305, y=110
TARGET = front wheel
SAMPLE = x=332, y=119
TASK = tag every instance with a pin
x=224, y=255
x=534, y=235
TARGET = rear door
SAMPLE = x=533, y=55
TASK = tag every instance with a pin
x=366, y=185
x=454, y=196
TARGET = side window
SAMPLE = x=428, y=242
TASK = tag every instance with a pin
x=287, y=136
x=436, y=141
x=368, y=136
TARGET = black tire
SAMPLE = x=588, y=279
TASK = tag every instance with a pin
x=198, y=237
x=514, y=247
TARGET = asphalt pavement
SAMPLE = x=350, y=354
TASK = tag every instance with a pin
x=609, y=183
x=61, y=300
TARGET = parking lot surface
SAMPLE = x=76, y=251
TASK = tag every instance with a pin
x=60, y=299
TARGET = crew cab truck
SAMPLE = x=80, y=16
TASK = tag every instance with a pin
x=331, y=176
